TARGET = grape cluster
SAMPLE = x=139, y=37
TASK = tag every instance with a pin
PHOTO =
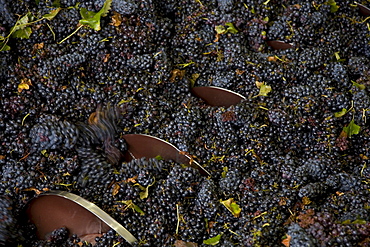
x=9, y=229
x=206, y=201
x=59, y=235
x=52, y=133
x=299, y=237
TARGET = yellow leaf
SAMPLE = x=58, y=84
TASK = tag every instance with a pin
x=232, y=206
x=25, y=84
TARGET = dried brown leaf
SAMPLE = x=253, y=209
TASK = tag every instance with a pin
x=286, y=242
x=116, y=19
x=132, y=180
x=177, y=74
x=38, y=46
x=116, y=188
x=181, y=243
x=306, y=219
x=106, y=58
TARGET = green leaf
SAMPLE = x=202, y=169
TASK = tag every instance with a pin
x=193, y=79
x=264, y=90
x=145, y=190
x=220, y=29
x=232, y=206
x=352, y=129
x=235, y=209
x=4, y=47
x=92, y=19
x=138, y=209
x=358, y=85
x=23, y=33
x=357, y=221
x=333, y=6
x=212, y=241
x=340, y=113
x=86, y=14
x=231, y=28
x=56, y=3
x=158, y=157
x=133, y=206
x=20, y=29
x=22, y=22
x=52, y=14
x=94, y=24
x=106, y=7
x=225, y=170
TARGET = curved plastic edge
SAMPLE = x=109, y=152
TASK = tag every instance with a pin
x=190, y=161
x=106, y=218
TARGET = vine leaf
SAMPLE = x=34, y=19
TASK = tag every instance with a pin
x=231, y=28
x=4, y=47
x=52, y=14
x=20, y=29
x=225, y=170
x=358, y=85
x=130, y=204
x=352, y=129
x=23, y=33
x=333, y=6
x=341, y=113
x=220, y=29
x=231, y=205
x=212, y=241
x=56, y=3
x=91, y=18
x=264, y=88
x=357, y=221
x=145, y=190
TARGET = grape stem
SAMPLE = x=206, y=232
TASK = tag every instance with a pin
x=75, y=31
x=178, y=219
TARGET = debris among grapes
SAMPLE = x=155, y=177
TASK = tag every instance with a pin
x=231, y=205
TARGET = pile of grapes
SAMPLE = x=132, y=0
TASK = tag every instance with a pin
x=289, y=164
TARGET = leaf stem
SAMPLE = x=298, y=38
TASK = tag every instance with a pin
x=51, y=30
x=75, y=31
x=178, y=219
